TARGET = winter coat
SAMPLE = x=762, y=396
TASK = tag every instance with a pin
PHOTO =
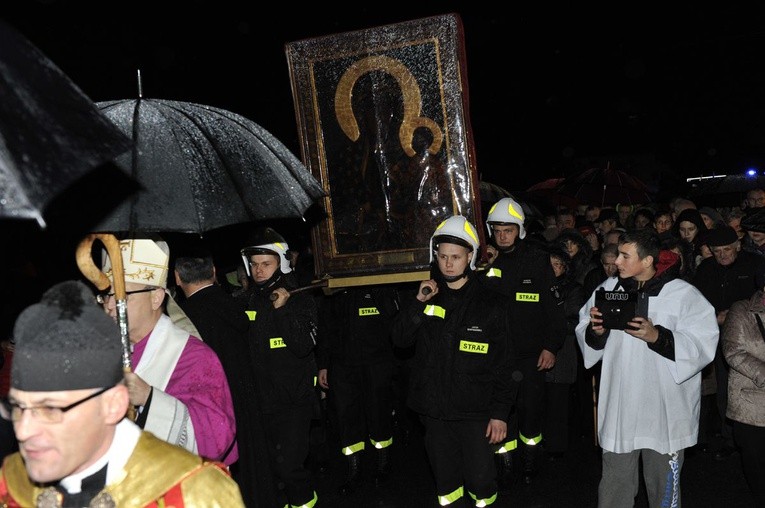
x=282, y=347
x=524, y=275
x=571, y=297
x=464, y=362
x=354, y=326
x=743, y=345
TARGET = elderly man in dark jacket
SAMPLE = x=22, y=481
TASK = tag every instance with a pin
x=728, y=276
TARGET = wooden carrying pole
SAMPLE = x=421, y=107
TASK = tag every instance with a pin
x=94, y=274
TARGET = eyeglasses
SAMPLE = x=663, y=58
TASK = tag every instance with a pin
x=45, y=414
x=102, y=298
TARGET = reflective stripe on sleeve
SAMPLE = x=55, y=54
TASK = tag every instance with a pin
x=494, y=272
x=435, y=310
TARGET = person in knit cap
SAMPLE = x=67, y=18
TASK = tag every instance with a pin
x=177, y=383
x=68, y=403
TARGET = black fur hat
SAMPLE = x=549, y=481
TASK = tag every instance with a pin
x=66, y=342
x=754, y=220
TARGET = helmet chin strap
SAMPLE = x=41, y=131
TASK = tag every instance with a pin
x=454, y=278
x=270, y=281
x=502, y=249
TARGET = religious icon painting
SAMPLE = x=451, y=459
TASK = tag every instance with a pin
x=384, y=126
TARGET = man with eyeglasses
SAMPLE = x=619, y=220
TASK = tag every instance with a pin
x=68, y=402
x=178, y=384
x=755, y=198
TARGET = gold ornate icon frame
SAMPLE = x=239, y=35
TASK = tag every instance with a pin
x=384, y=125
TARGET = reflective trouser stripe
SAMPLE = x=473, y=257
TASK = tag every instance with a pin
x=381, y=444
x=356, y=447
x=309, y=504
x=450, y=498
x=531, y=441
x=508, y=446
x=483, y=502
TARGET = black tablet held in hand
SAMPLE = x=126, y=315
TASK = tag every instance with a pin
x=619, y=307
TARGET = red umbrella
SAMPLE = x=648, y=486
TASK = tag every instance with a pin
x=605, y=187
x=547, y=190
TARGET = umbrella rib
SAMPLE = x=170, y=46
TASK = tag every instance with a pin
x=248, y=126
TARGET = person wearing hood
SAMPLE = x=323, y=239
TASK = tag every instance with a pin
x=463, y=378
x=650, y=389
x=559, y=379
x=689, y=226
x=522, y=271
x=281, y=337
x=711, y=217
x=579, y=251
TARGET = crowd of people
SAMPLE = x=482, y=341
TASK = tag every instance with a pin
x=500, y=357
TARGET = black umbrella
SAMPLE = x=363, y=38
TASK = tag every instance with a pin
x=51, y=133
x=203, y=168
x=725, y=190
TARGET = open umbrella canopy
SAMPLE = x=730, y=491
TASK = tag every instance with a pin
x=547, y=191
x=727, y=190
x=51, y=133
x=605, y=187
x=203, y=168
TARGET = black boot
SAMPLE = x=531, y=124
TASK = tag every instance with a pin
x=504, y=464
x=353, y=477
x=382, y=473
x=530, y=467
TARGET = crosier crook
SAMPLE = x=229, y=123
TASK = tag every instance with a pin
x=101, y=281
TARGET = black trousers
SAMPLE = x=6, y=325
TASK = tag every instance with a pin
x=531, y=402
x=556, y=421
x=461, y=458
x=287, y=437
x=751, y=443
x=363, y=399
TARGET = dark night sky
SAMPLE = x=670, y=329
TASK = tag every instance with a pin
x=658, y=92
x=552, y=89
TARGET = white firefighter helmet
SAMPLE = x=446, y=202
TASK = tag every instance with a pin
x=456, y=229
x=267, y=241
x=507, y=211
